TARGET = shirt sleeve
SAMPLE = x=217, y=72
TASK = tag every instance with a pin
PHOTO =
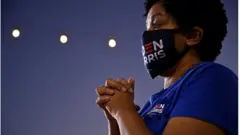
x=211, y=97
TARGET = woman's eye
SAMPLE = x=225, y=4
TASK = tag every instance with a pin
x=155, y=26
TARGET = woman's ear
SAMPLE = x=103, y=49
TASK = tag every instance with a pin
x=195, y=36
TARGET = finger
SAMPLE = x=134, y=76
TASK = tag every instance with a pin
x=123, y=82
x=115, y=85
x=102, y=100
x=131, y=82
x=104, y=91
x=126, y=84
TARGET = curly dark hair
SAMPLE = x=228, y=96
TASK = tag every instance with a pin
x=209, y=15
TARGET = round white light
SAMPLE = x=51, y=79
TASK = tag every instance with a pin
x=63, y=39
x=112, y=43
x=16, y=33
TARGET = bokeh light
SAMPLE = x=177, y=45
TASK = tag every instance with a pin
x=63, y=39
x=16, y=33
x=112, y=43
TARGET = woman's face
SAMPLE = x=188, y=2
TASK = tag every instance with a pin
x=158, y=19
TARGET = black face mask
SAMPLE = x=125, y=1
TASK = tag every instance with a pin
x=159, y=52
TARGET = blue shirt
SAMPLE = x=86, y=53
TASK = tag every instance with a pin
x=208, y=92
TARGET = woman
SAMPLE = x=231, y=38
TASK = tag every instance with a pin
x=182, y=40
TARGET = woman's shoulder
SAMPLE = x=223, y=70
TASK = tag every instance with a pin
x=212, y=72
x=213, y=68
x=210, y=95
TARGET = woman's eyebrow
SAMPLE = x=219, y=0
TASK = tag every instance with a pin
x=157, y=14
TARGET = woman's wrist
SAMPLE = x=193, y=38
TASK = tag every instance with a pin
x=109, y=117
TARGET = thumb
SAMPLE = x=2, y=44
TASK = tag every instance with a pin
x=131, y=82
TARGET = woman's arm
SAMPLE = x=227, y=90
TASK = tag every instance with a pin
x=113, y=128
x=130, y=123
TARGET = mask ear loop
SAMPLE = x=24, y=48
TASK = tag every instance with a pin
x=181, y=54
x=185, y=50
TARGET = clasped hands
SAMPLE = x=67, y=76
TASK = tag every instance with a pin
x=116, y=97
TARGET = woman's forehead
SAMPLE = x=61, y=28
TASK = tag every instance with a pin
x=156, y=9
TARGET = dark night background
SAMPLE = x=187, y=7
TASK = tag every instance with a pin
x=49, y=88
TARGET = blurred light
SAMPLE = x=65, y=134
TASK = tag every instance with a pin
x=16, y=33
x=112, y=43
x=63, y=39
